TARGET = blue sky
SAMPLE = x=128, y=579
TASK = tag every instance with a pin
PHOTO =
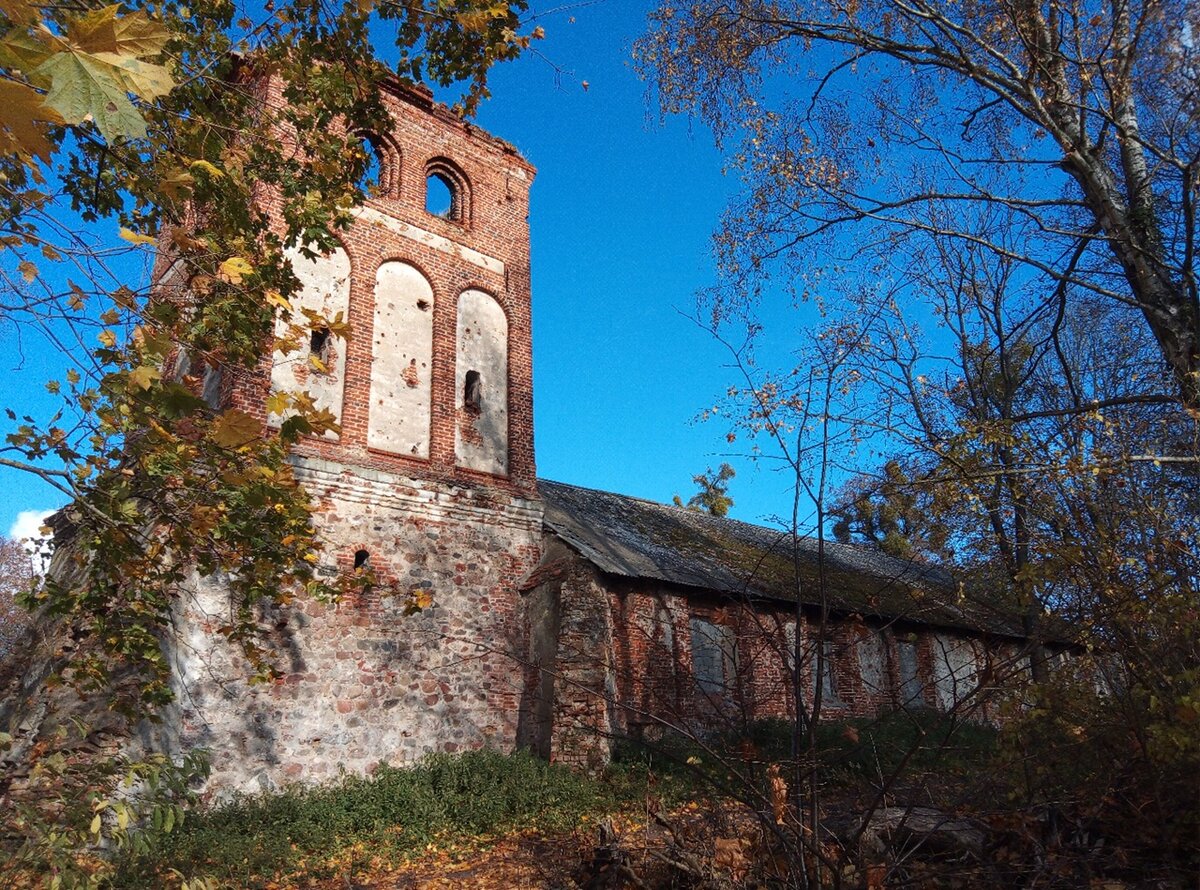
x=622, y=214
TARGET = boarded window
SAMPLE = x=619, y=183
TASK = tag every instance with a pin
x=714, y=656
x=910, y=679
x=324, y=291
x=481, y=434
x=400, y=409
x=828, y=667
x=872, y=664
x=955, y=670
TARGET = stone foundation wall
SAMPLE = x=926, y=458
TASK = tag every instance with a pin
x=364, y=682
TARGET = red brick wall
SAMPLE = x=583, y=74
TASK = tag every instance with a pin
x=645, y=679
x=497, y=226
x=364, y=681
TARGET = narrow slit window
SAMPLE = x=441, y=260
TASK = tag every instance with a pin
x=440, y=199
x=473, y=392
x=362, y=559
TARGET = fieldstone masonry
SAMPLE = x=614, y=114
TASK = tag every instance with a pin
x=365, y=682
x=430, y=482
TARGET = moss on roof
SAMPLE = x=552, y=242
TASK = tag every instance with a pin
x=635, y=538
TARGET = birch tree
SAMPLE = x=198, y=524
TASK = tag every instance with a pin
x=889, y=120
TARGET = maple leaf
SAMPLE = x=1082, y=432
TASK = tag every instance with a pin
x=143, y=376
x=235, y=269
x=234, y=428
x=104, y=31
x=24, y=122
x=135, y=238
x=277, y=402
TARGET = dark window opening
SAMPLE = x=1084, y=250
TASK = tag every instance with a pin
x=362, y=559
x=473, y=392
x=829, y=690
x=440, y=197
x=318, y=342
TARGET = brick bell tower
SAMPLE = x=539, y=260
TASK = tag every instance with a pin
x=431, y=481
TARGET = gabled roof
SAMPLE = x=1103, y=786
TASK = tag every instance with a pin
x=634, y=538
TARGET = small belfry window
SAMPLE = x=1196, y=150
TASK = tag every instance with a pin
x=362, y=559
x=380, y=176
x=371, y=181
x=473, y=392
x=440, y=198
x=447, y=191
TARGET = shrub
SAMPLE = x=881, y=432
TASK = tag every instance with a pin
x=393, y=813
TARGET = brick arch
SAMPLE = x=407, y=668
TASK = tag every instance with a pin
x=460, y=187
x=399, y=408
x=499, y=296
x=387, y=151
x=481, y=363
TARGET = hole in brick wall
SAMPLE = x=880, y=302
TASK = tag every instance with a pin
x=440, y=199
x=362, y=559
x=318, y=342
x=473, y=391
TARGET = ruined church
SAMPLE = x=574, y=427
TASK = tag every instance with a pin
x=559, y=618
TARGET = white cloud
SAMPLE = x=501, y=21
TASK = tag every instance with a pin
x=27, y=529
x=28, y=524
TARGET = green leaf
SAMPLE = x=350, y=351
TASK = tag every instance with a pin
x=84, y=87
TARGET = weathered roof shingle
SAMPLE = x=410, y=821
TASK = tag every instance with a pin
x=635, y=538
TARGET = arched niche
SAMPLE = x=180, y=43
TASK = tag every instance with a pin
x=318, y=365
x=401, y=361
x=481, y=377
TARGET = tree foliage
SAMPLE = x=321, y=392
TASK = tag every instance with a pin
x=148, y=121
x=16, y=577
x=713, y=497
x=1081, y=122
x=992, y=205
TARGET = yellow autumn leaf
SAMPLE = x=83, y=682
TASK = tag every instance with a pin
x=235, y=269
x=278, y=402
x=108, y=338
x=234, y=428
x=134, y=238
x=143, y=376
x=24, y=122
x=209, y=168
x=276, y=299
